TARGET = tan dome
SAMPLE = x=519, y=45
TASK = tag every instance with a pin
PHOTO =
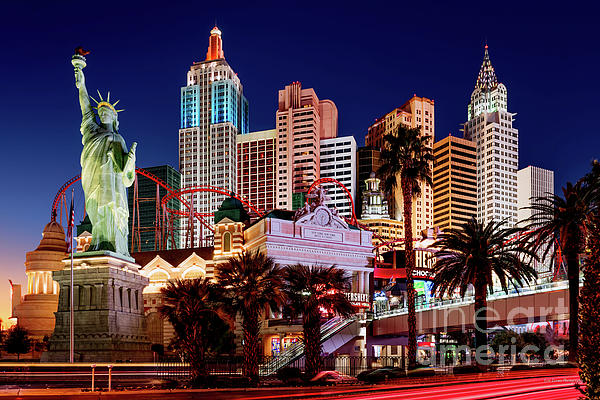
x=53, y=226
x=53, y=238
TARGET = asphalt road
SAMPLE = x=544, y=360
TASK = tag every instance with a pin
x=526, y=385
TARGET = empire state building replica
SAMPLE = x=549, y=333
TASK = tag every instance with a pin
x=213, y=112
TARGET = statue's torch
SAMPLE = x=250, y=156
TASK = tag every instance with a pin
x=78, y=61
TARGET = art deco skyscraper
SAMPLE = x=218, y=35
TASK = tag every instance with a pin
x=302, y=120
x=490, y=126
x=213, y=112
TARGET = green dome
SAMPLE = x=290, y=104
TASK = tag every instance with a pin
x=231, y=203
x=233, y=209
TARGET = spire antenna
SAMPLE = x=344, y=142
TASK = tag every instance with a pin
x=487, y=79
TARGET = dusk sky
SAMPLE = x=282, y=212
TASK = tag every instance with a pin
x=368, y=58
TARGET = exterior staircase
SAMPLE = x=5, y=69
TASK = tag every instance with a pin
x=335, y=333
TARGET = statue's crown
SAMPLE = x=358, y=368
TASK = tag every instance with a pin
x=106, y=103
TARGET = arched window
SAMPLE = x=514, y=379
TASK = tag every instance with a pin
x=226, y=242
x=193, y=273
x=159, y=276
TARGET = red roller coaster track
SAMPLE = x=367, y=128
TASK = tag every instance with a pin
x=213, y=189
x=171, y=194
x=61, y=192
x=179, y=195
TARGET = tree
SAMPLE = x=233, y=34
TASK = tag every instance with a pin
x=563, y=221
x=309, y=290
x=253, y=282
x=17, y=341
x=195, y=309
x=503, y=342
x=537, y=341
x=592, y=180
x=589, y=314
x=472, y=255
x=407, y=155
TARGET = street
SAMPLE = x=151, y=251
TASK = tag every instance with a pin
x=530, y=385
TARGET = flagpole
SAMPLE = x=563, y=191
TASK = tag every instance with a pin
x=71, y=324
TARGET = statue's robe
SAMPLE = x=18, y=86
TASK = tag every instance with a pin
x=105, y=185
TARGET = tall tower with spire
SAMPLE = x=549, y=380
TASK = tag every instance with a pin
x=490, y=126
x=213, y=112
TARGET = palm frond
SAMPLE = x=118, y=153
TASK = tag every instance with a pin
x=473, y=253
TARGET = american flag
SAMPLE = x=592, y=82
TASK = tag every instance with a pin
x=70, y=226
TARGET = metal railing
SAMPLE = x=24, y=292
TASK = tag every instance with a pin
x=440, y=304
x=176, y=369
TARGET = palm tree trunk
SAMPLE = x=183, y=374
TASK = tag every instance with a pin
x=312, y=343
x=480, y=317
x=573, y=276
x=410, y=265
x=251, y=344
x=197, y=364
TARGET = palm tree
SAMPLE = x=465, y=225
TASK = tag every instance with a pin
x=472, y=255
x=589, y=316
x=310, y=289
x=564, y=221
x=196, y=311
x=252, y=282
x=407, y=155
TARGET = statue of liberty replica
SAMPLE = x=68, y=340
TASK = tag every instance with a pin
x=107, y=168
x=108, y=310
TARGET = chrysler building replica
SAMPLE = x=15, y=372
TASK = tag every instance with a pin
x=213, y=112
x=490, y=127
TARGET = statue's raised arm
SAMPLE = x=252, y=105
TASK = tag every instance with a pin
x=107, y=168
x=79, y=63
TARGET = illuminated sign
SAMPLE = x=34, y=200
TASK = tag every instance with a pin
x=423, y=274
x=359, y=300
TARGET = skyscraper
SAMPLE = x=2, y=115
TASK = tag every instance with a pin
x=454, y=182
x=213, y=112
x=145, y=216
x=338, y=161
x=302, y=120
x=533, y=182
x=417, y=112
x=490, y=127
x=256, y=168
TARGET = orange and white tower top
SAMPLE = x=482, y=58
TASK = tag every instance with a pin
x=215, y=45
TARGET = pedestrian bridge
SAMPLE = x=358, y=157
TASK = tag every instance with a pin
x=545, y=302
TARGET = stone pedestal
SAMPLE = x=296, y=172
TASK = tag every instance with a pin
x=108, y=310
